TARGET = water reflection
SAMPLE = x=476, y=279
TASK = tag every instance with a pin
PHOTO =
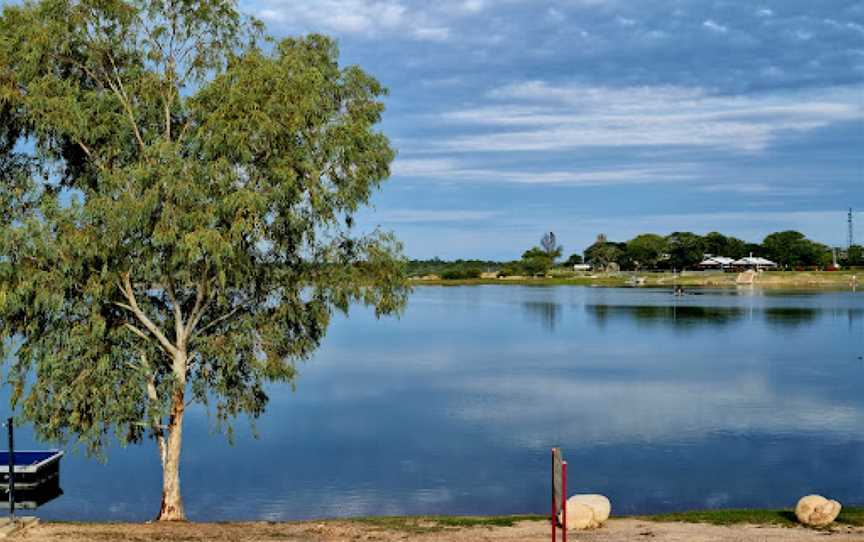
x=689, y=316
x=791, y=316
x=696, y=402
x=668, y=314
x=547, y=313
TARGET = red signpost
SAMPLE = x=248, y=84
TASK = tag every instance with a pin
x=559, y=495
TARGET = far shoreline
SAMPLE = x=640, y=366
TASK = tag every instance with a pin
x=794, y=280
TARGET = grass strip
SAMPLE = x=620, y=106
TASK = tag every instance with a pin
x=784, y=518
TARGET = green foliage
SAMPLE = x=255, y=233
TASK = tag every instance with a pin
x=602, y=253
x=855, y=255
x=685, y=249
x=574, y=259
x=512, y=269
x=213, y=184
x=549, y=245
x=536, y=261
x=646, y=250
x=718, y=244
x=461, y=274
x=792, y=249
x=436, y=266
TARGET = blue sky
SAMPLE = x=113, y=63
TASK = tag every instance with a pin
x=515, y=117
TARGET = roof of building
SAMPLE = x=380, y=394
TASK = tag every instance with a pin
x=717, y=260
x=751, y=260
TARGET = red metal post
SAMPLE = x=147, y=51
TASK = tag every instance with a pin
x=564, y=500
x=552, y=517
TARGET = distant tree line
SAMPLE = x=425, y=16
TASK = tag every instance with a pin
x=648, y=251
x=683, y=250
x=450, y=270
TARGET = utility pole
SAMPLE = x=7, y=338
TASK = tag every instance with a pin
x=850, y=235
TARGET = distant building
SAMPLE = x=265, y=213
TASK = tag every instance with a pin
x=716, y=262
x=582, y=267
x=751, y=262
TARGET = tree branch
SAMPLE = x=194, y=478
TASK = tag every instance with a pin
x=153, y=395
x=179, y=328
x=219, y=320
x=133, y=307
x=198, y=308
x=120, y=91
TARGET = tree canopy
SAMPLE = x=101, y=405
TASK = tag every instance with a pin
x=646, y=250
x=178, y=198
x=549, y=244
x=685, y=249
x=536, y=261
x=602, y=253
x=791, y=248
x=717, y=244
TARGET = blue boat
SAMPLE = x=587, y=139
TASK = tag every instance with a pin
x=32, y=468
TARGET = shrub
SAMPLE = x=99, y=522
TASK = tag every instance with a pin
x=461, y=274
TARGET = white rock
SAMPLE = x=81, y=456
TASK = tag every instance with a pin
x=816, y=510
x=587, y=511
x=579, y=516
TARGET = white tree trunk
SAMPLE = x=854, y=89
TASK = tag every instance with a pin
x=171, y=508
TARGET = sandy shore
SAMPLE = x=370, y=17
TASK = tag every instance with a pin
x=616, y=530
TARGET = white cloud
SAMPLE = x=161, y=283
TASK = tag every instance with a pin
x=538, y=116
x=716, y=27
x=364, y=17
x=473, y=6
x=432, y=33
x=644, y=410
x=555, y=15
x=423, y=167
x=764, y=189
x=448, y=169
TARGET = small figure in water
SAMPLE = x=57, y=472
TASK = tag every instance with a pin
x=679, y=290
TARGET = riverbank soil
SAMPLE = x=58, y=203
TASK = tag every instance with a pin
x=616, y=530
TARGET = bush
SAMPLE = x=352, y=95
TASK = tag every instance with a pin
x=511, y=270
x=461, y=274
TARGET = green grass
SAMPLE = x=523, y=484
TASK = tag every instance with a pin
x=429, y=524
x=772, y=280
x=784, y=518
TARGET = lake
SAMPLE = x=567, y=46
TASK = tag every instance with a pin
x=731, y=398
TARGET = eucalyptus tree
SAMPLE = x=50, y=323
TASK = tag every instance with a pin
x=645, y=250
x=177, y=227
x=550, y=246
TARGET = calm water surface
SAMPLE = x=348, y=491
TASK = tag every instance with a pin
x=726, y=399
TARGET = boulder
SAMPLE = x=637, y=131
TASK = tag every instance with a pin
x=816, y=510
x=587, y=511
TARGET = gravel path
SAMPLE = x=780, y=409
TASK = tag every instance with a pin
x=616, y=530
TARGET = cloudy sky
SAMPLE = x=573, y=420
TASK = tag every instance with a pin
x=515, y=117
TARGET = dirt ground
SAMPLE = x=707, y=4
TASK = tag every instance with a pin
x=616, y=530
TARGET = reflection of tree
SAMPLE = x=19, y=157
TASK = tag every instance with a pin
x=548, y=313
x=691, y=316
x=790, y=316
x=853, y=316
